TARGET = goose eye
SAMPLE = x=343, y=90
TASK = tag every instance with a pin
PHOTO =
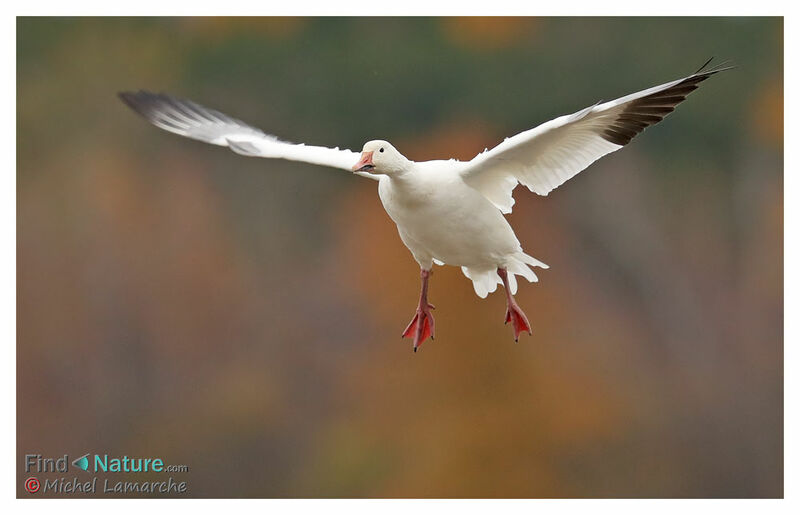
x=381, y=149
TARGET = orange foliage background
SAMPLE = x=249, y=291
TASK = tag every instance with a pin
x=243, y=316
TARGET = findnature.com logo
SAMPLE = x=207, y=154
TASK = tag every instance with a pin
x=100, y=463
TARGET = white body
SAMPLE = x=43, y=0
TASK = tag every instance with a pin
x=442, y=219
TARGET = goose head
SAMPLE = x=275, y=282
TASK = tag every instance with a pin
x=381, y=158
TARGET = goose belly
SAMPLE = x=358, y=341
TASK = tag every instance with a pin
x=455, y=225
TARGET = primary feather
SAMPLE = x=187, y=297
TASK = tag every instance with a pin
x=192, y=120
x=545, y=157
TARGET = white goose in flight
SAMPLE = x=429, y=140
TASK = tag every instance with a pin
x=449, y=211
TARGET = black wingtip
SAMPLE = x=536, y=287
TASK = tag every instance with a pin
x=704, y=65
x=126, y=97
x=721, y=67
x=130, y=96
x=137, y=100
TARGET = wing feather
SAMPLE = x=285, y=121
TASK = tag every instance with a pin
x=191, y=120
x=545, y=157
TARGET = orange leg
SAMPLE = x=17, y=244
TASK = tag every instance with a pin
x=514, y=314
x=422, y=325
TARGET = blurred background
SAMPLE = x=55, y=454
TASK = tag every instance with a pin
x=243, y=316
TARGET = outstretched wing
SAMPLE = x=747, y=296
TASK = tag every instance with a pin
x=545, y=157
x=194, y=121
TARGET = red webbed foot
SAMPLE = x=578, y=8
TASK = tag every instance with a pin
x=514, y=314
x=518, y=320
x=421, y=326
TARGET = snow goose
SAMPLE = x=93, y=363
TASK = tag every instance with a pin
x=449, y=211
